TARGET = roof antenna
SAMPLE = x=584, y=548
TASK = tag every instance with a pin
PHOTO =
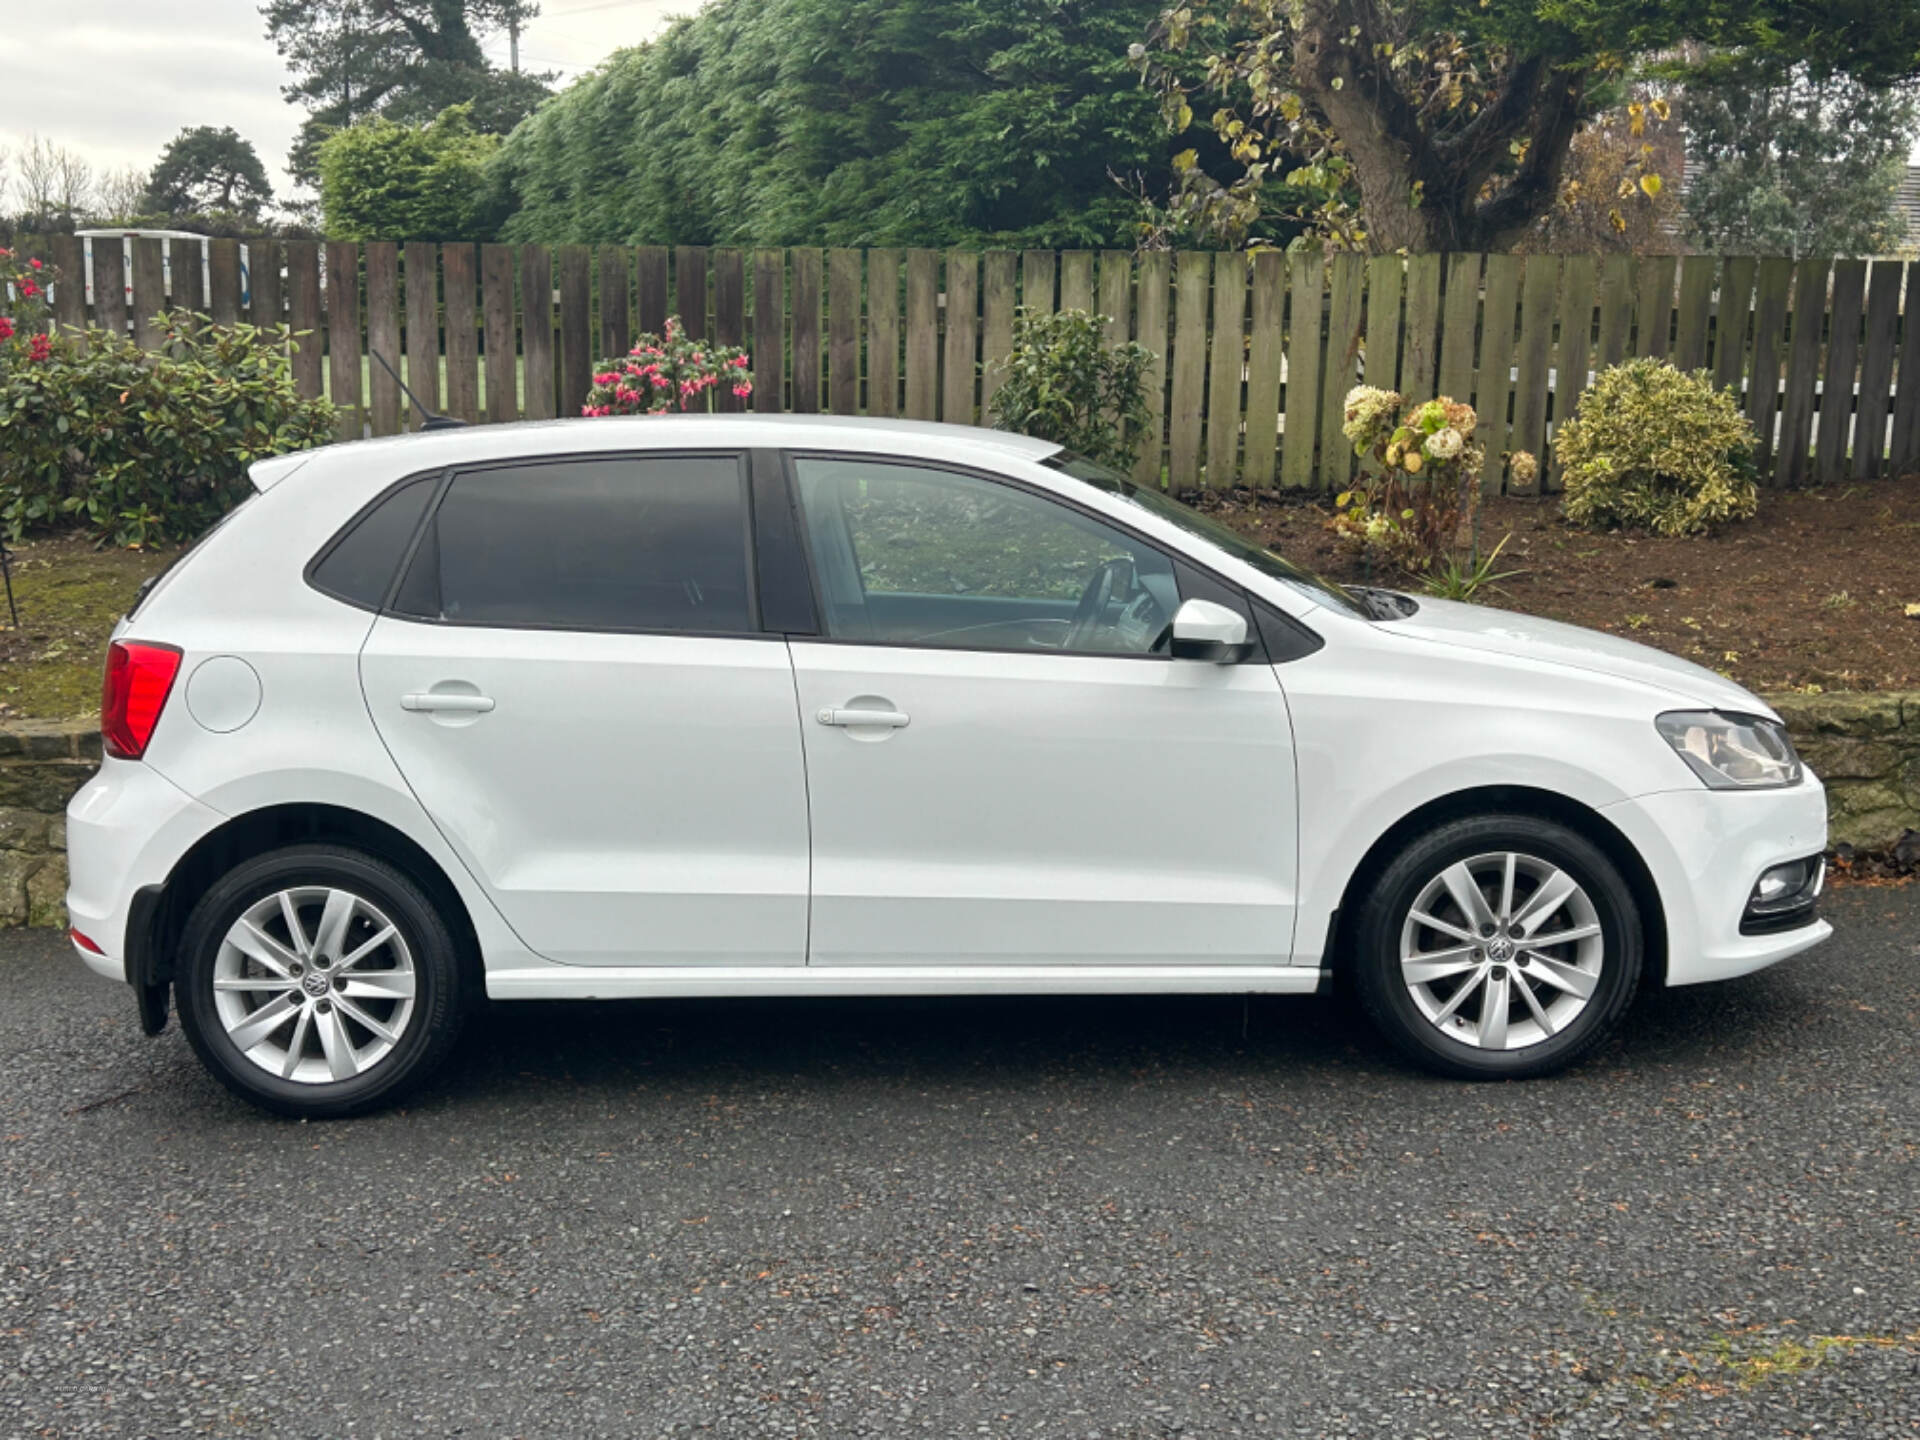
x=428, y=420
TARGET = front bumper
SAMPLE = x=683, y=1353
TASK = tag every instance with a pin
x=1706, y=849
x=126, y=829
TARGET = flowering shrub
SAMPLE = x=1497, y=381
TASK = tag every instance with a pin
x=23, y=306
x=142, y=447
x=1430, y=468
x=666, y=373
x=1649, y=445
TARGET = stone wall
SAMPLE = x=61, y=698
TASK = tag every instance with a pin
x=42, y=762
x=1865, y=746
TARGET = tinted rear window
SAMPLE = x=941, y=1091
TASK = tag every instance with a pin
x=360, y=567
x=658, y=543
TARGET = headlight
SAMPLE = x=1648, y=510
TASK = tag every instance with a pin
x=1732, y=752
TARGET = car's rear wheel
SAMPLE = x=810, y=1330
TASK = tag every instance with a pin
x=318, y=981
x=1498, y=947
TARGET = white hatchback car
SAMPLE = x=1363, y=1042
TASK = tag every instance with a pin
x=727, y=705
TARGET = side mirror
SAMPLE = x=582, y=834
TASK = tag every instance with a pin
x=1203, y=630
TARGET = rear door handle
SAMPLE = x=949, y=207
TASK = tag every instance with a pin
x=892, y=719
x=448, y=700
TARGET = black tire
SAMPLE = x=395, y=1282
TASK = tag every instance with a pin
x=1375, y=958
x=438, y=1004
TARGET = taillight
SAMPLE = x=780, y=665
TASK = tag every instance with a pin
x=139, y=679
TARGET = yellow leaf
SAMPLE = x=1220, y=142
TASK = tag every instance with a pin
x=1650, y=183
x=1615, y=219
x=1913, y=612
x=1661, y=109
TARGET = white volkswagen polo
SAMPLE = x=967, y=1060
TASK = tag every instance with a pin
x=725, y=705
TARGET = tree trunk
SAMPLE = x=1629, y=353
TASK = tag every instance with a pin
x=1416, y=195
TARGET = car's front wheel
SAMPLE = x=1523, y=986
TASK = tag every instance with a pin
x=1498, y=947
x=318, y=981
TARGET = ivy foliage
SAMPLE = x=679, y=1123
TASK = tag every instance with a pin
x=852, y=122
x=141, y=448
x=380, y=180
x=1653, y=447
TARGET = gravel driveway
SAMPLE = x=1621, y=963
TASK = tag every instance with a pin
x=1114, y=1218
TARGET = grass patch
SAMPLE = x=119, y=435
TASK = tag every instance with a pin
x=70, y=595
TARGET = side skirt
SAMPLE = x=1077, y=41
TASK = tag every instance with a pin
x=629, y=982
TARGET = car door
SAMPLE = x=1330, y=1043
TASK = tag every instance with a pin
x=572, y=678
x=1004, y=765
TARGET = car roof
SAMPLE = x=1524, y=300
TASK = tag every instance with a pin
x=471, y=444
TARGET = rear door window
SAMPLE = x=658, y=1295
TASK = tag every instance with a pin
x=654, y=543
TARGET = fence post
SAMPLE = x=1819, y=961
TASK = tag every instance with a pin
x=1228, y=365
x=503, y=351
x=149, y=292
x=769, y=327
x=843, y=331
x=616, y=302
x=1876, y=369
x=1150, y=332
x=343, y=334
x=69, y=258
x=729, y=315
x=963, y=299
x=383, y=335
x=1843, y=356
x=576, y=326
x=1904, y=451
x=883, y=332
x=110, y=286
x=1792, y=461
x=923, y=334
x=1264, y=349
x=1769, y=332
x=422, y=263
x=806, y=330
x=1191, y=270
x=223, y=277
x=1343, y=342
x=1496, y=369
x=998, y=287
x=1576, y=337
x=1305, y=299
x=463, y=340
x=304, y=318
x=1421, y=365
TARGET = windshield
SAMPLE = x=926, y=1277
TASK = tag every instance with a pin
x=1268, y=562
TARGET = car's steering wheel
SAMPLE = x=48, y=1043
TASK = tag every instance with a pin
x=1094, y=601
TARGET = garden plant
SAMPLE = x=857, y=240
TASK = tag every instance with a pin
x=1063, y=382
x=1429, y=467
x=668, y=373
x=1653, y=447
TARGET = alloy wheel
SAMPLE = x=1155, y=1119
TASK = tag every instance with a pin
x=314, y=984
x=1502, y=950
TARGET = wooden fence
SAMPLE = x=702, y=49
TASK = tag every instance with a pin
x=1253, y=353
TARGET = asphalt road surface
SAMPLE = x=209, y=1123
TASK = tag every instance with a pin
x=1113, y=1218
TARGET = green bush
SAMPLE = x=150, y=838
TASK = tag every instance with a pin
x=140, y=447
x=1064, y=383
x=1650, y=446
x=384, y=181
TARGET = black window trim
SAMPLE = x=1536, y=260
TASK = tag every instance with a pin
x=1175, y=558
x=741, y=455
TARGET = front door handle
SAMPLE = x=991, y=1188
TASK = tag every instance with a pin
x=453, y=700
x=891, y=719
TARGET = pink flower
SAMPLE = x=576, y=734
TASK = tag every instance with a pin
x=40, y=349
x=29, y=289
x=34, y=263
x=739, y=362
x=6, y=328
x=742, y=391
x=605, y=379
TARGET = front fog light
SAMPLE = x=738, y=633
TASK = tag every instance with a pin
x=1784, y=896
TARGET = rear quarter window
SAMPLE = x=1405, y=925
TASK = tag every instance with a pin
x=358, y=565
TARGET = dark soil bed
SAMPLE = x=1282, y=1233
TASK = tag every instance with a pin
x=1811, y=592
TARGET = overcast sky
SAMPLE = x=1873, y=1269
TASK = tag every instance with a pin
x=117, y=82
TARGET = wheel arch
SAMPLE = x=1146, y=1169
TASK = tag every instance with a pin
x=165, y=908
x=1510, y=799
